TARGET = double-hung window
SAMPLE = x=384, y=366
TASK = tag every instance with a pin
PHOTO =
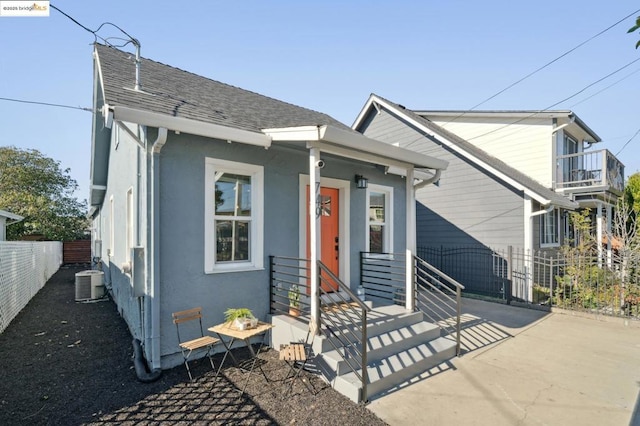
x=379, y=219
x=233, y=216
x=550, y=229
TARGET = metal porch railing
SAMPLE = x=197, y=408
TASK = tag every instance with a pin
x=343, y=316
x=438, y=297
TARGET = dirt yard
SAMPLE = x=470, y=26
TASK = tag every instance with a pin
x=68, y=363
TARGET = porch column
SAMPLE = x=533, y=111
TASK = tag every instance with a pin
x=599, y=229
x=314, y=233
x=411, y=241
x=527, y=292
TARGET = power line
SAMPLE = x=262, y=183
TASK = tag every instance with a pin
x=559, y=102
x=132, y=40
x=542, y=67
x=605, y=88
x=627, y=142
x=22, y=101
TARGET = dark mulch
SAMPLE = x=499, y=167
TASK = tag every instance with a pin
x=68, y=363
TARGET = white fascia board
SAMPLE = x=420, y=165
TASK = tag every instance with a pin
x=354, y=145
x=293, y=134
x=540, y=199
x=363, y=112
x=194, y=127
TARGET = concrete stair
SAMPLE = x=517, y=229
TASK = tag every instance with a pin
x=400, y=346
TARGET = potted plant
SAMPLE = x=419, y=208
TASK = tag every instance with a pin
x=241, y=318
x=294, y=300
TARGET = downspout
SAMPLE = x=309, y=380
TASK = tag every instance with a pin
x=434, y=178
x=540, y=212
x=153, y=255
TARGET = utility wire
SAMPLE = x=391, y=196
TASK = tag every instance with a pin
x=559, y=102
x=132, y=40
x=605, y=88
x=627, y=142
x=46, y=104
x=542, y=67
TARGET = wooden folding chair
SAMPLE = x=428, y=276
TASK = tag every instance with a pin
x=188, y=346
x=296, y=355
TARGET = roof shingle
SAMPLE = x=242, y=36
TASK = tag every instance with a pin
x=172, y=91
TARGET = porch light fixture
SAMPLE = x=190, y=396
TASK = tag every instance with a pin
x=361, y=182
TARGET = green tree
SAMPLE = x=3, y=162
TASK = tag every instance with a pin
x=635, y=28
x=35, y=187
x=632, y=192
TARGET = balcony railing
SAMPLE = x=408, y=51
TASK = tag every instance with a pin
x=590, y=171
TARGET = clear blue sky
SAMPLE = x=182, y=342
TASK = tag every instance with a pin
x=329, y=56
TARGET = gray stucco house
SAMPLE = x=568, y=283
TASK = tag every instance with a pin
x=195, y=183
x=512, y=175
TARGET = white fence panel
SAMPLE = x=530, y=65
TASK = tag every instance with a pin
x=25, y=267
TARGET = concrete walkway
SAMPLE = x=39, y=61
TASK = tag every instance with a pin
x=527, y=367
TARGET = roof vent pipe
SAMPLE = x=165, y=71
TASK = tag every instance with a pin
x=136, y=43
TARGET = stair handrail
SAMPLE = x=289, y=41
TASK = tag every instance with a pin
x=340, y=329
x=445, y=282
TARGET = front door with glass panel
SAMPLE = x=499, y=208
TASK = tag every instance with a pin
x=328, y=208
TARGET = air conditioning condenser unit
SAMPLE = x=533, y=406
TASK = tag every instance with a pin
x=89, y=285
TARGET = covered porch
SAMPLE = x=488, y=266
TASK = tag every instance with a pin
x=368, y=341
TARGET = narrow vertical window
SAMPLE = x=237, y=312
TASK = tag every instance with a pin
x=550, y=229
x=379, y=232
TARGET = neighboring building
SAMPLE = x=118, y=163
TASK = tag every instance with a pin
x=195, y=183
x=512, y=177
x=7, y=218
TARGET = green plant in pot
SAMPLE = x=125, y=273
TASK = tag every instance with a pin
x=294, y=300
x=241, y=318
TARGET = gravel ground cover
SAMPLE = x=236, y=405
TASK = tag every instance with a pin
x=68, y=363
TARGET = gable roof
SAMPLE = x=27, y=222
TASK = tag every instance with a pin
x=478, y=156
x=174, y=92
x=564, y=116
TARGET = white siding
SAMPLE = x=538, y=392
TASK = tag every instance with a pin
x=526, y=146
x=468, y=207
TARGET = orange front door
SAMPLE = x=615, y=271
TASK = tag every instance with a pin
x=329, y=209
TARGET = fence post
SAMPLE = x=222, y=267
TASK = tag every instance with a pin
x=551, y=280
x=509, y=287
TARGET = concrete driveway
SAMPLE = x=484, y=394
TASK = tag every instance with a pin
x=527, y=367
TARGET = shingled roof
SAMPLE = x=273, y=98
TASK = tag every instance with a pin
x=177, y=93
x=473, y=151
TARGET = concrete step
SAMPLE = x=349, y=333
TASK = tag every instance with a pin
x=381, y=321
x=393, y=370
x=383, y=345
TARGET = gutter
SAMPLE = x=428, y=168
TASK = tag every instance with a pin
x=541, y=212
x=432, y=179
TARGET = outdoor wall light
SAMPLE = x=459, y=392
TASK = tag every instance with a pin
x=361, y=182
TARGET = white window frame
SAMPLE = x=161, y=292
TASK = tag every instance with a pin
x=387, y=224
x=112, y=227
x=543, y=235
x=129, y=225
x=215, y=167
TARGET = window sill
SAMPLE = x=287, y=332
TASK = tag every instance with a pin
x=553, y=245
x=227, y=270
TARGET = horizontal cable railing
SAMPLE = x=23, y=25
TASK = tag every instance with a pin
x=343, y=317
x=289, y=289
x=438, y=297
x=383, y=276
